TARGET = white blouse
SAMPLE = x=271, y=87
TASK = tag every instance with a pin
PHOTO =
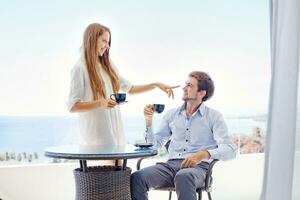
x=99, y=126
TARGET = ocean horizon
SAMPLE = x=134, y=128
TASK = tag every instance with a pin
x=35, y=133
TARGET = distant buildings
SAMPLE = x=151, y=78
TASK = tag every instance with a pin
x=15, y=158
x=254, y=143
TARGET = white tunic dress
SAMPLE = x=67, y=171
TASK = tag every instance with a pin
x=98, y=126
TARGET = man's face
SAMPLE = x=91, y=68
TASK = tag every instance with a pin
x=190, y=89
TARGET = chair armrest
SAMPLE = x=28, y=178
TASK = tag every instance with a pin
x=208, y=179
x=210, y=166
x=138, y=164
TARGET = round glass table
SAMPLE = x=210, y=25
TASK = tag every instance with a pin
x=103, y=152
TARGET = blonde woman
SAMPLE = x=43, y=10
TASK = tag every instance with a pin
x=93, y=79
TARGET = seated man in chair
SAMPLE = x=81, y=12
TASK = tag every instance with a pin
x=197, y=135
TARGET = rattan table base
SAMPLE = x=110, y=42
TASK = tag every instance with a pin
x=102, y=183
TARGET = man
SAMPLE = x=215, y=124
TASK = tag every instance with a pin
x=197, y=134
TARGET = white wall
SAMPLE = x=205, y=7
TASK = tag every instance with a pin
x=37, y=182
x=233, y=180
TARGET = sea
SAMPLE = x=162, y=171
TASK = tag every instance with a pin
x=35, y=133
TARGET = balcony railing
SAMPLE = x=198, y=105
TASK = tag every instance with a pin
x=233, y=180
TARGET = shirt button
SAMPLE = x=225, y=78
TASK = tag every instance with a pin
x=187, y=129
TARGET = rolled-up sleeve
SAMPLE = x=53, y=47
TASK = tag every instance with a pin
x=225, y=150
x=76, y=87
x=125, y=84
x=162, y=134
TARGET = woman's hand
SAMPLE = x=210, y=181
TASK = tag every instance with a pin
x=148, y=113
x=107, y=103
x=167, y=89
x=90, y=105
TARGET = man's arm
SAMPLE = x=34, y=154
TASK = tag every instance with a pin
x=225, y=150
x=163, y=133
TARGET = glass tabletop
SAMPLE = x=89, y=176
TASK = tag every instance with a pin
x=101, y=152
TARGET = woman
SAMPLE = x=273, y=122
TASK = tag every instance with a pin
x=93, y=79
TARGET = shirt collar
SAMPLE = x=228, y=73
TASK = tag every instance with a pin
x=200, y=110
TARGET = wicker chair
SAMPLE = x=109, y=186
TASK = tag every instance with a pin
x=207, y=185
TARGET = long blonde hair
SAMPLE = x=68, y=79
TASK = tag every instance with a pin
x=91, y=35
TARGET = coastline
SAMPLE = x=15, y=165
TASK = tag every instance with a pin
x=24, y=138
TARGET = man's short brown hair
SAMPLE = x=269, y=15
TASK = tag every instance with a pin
x=204, y=83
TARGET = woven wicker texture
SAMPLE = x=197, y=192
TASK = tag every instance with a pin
x=102, y=183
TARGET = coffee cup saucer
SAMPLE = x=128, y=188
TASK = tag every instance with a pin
x=122, y=102
x=143, y=145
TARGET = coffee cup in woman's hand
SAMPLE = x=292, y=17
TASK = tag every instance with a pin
x=118, y=97
x=159, y=108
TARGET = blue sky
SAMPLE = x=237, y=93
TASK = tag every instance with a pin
x=151, y=41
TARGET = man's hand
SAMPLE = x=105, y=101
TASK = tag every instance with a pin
x=194, y=159
x=148, y=113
